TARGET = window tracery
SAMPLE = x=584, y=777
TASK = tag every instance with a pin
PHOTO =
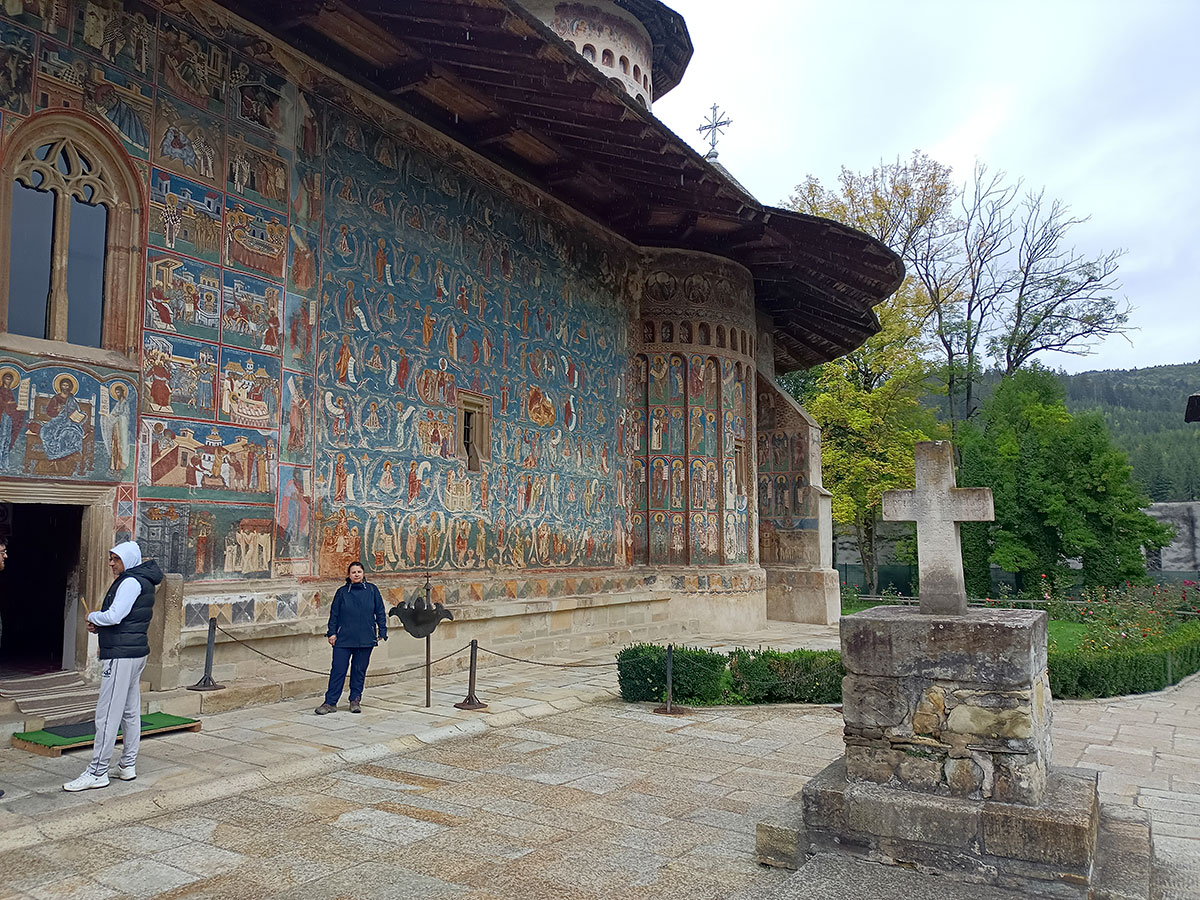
x=69, y=270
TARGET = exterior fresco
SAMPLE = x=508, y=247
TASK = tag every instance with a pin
x=326, y=299
x=65, y=422
x=69, y=80
x=16, y=68
x=787, y=501
x=435, y=287
x=185, y=217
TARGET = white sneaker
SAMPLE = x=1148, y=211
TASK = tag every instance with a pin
x=86, y=781
x=126, y=773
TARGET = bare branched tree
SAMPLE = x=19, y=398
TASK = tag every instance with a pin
x=961, y=267
x=992, y=272
x=1061, y=300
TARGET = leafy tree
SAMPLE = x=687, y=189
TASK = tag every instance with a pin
x=1063, y=492
x=1143, y=409
x=867, y=406
x=868, y=401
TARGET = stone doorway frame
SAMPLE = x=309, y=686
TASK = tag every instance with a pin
x=95, y=539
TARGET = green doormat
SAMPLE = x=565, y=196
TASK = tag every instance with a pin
x=53, y=741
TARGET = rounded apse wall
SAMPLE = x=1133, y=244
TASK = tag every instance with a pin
x=691, y=409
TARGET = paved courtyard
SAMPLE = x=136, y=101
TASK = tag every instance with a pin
x=559, y=790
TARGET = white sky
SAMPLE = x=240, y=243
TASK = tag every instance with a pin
x=1096, y=100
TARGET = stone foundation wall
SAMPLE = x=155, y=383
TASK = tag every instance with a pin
x=531, y=617
x=804, y=595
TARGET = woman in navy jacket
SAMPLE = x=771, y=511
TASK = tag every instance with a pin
x=356, y=617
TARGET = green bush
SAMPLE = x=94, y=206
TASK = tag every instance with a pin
x=703, y=677
x=698, y=675
x=641, y=673
x=1150, y=665
x=795, y=676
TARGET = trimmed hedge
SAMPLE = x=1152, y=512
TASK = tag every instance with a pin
x=795, y=676
x=704, y=677
x=698, y=675
x=1150, y=666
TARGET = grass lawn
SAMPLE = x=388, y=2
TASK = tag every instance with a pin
x=1065, y=635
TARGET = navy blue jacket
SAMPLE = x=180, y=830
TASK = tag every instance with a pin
x=356, y=613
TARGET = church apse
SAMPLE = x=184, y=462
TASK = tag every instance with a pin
x=688, y=404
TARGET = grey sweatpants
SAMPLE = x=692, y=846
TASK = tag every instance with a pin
x=120, y=704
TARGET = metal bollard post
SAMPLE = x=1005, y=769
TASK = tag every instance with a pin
x=207, y=683
x=670, y=662
x=669, y=708
x=471, y=701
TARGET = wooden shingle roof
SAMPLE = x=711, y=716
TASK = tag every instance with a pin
x=492, y=76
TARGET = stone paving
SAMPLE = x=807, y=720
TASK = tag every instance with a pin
x=559, y=790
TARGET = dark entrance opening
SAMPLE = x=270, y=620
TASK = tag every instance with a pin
x=38, y=587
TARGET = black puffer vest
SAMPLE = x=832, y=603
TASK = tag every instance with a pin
x=127, y=639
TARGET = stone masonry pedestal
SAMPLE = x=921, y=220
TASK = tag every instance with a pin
x=955, y=706
x=947, y=764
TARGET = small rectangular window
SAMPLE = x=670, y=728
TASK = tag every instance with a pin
x=474, y=429
x=741, y=461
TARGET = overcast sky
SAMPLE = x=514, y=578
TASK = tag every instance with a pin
x=1096, y=100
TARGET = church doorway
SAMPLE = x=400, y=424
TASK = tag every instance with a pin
x=40, y=588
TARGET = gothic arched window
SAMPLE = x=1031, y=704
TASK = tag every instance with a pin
x=70, y=263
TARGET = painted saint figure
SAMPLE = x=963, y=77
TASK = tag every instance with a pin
x=11, y=418
x=64, y=433
x=115, y=428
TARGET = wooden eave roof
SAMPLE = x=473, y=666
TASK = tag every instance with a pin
x=490, y=75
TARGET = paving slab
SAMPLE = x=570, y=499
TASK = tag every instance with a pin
x=557, y=777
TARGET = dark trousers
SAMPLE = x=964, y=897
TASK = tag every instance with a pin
x=357, y=659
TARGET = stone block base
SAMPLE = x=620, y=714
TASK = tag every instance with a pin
x=798, y=594
x=957, y=706
x=1067, y=846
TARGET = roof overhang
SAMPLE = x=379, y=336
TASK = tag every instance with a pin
x=490, y=75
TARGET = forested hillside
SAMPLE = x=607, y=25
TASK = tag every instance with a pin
x=1144, y=412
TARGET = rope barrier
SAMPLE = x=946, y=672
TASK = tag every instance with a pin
x=534, y=662
x=284, y=662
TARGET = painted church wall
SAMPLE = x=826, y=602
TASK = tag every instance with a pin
x=789, y=493
x=327, y=287
x=690, y=413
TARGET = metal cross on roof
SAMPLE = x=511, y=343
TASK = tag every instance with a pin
x=716, y=124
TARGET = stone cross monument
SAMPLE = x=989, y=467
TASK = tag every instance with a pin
x=938, y=506
x=947, y=714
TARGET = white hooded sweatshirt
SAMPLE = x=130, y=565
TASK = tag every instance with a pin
x=127, y=593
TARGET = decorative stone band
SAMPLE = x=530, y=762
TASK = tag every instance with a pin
x=267, y=606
